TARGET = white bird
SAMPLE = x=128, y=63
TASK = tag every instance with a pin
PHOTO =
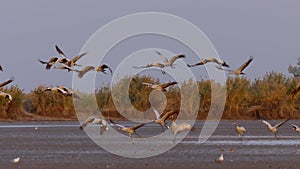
x=239, y=71
x=55, y=90
x=166, y=62
x=66, y=60
x=274, y=129
x=68, y=92
x=62, y=90
x=159, y=65
x=86, y=69
x=161, y=120
x=177, y=128
x=171, y=61
x=220, y=159
x=207, y=60
x=161, y=87
x=93, y=120
x=296, y=128
x=239, y=129
x=16, y=160
x=6, y=95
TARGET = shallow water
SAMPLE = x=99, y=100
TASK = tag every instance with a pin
x=64, y=145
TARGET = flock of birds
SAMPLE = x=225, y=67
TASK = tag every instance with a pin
x=71, y=65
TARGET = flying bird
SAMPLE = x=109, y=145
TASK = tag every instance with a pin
x=1, y=69
x=102, y=69
x=62, y=90
x=55, y=90
x=6, y=95
x=296, y=128
x=171, y=61
x=207, y=60
x=159, y=65
x=274, y=129
x=86, y=69
x=7, y=82
x=239, y=129
x=177, y=128
x=166, y=62
x=129, y=130
x=63, y=67
x=161, y=87
x=93, y=120
x=161, y=119
x=239, y=71
x=50, y=63
x=68, y=92
x=66, y=60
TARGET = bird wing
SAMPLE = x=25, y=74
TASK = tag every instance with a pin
x=204, y=61
x=266, y=123
x=137, y=126
x=167, y=115
x=165, y=85
x=119, y=125
x=1, y=69
x=156, y=113
x=104, y=123
x=103, y=129
x=65, y=89
x=294, y=126
x=146, y=66
x=281, y=123
x=85, y=70
x=61, y=91
x=63, y=67
x=76, y=58
x=89, y=120
x=52, y=60
x=165, y=60
x=67, y=68
x=197, y=64
x=172, y=60
x=114, y=124
x=43, y=62
x=136, y=67
x=7, y=82
x=241, y=68
x=147, y=84
x=60, y=51
x=243, y=129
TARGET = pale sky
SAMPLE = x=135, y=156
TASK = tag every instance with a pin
x=267, y=30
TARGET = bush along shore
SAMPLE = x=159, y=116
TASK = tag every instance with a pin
x=271, y=97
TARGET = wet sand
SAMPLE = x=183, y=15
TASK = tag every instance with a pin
x=64, y=145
